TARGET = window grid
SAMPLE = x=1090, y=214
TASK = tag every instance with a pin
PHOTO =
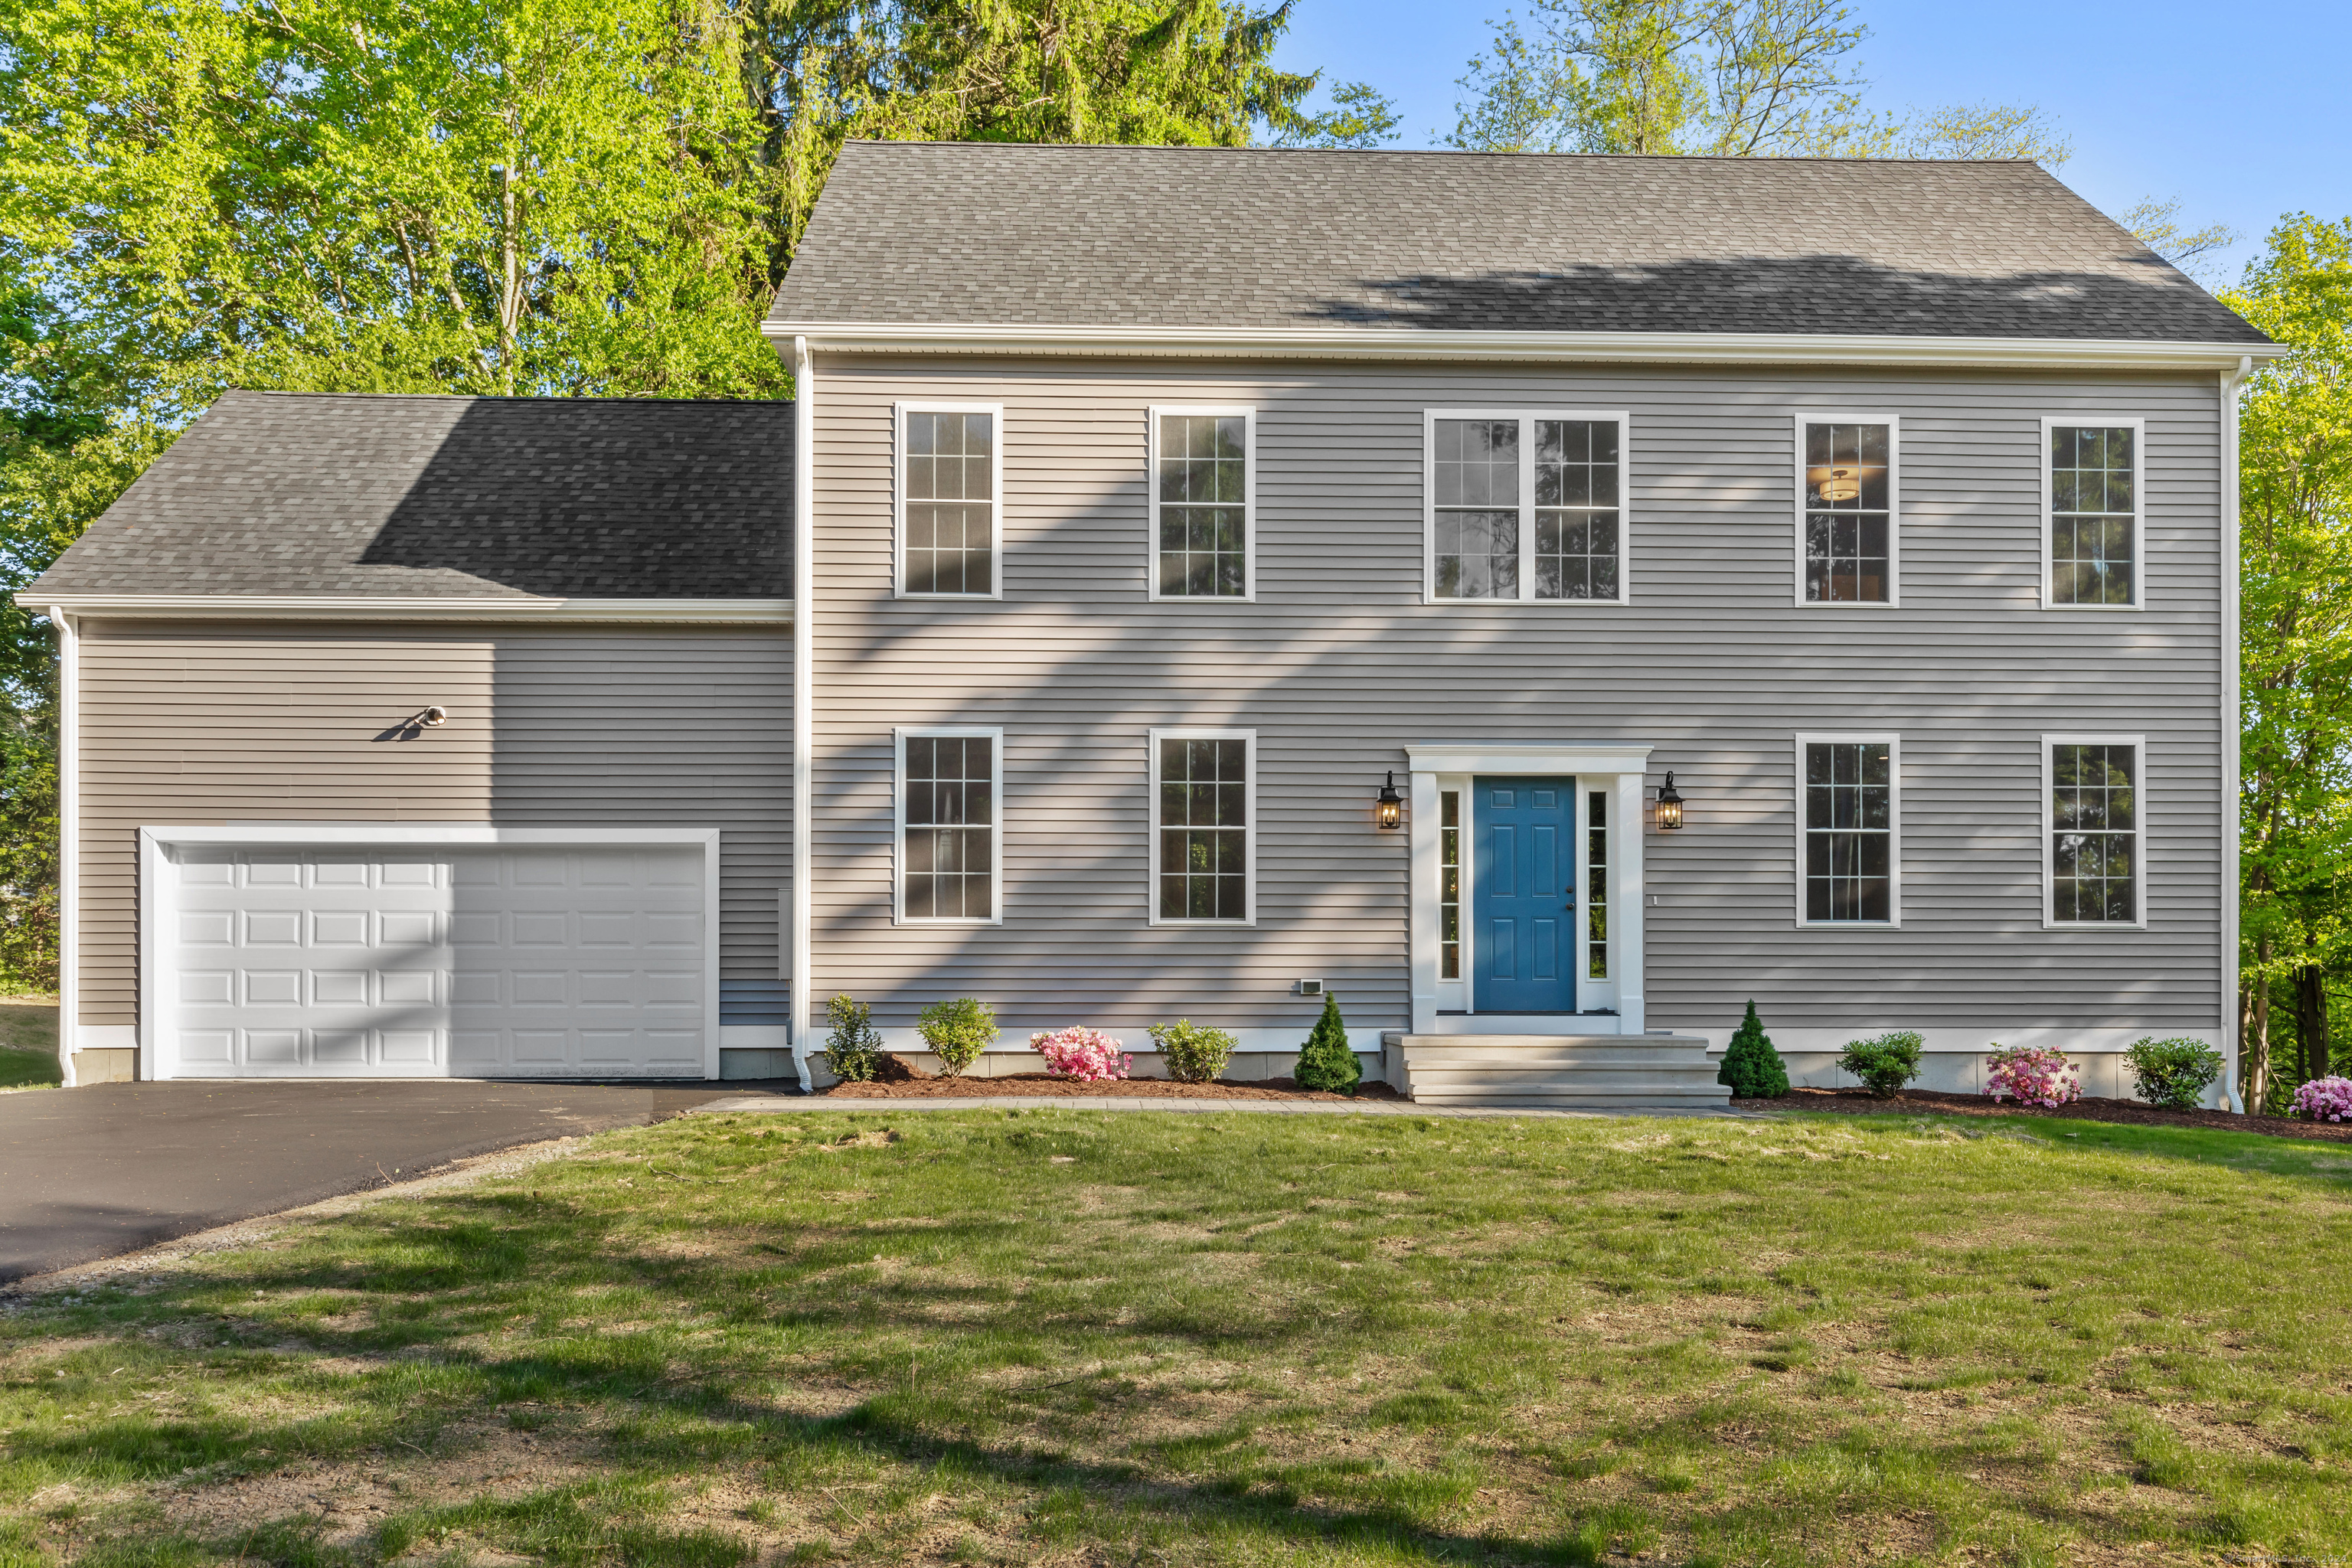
x=2094, y=514
x=1203, y=488
x=1449, y=885
x=1596, y=889
x=949, y=801
x=1849, y=831
x=2094, y=833
x=1204, y=789
x=1849, y=511
x=950, y=507
x=1576, y=509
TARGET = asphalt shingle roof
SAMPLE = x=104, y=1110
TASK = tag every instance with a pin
x=991, y=233
x=294, y=493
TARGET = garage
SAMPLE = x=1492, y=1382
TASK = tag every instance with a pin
x=429, y=950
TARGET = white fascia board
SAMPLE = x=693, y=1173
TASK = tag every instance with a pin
x=464, y=834
x=1416, y=343
x=389, y=607
x=1568, y=757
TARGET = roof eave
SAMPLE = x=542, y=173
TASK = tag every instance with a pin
x=1456, y=344
x=509, y=609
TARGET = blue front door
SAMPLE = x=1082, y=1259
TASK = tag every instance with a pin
x=1523, y=895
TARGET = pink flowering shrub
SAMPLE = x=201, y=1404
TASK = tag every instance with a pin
x=1082, y=1054
x=2323, y=1099
x=2032, y=1076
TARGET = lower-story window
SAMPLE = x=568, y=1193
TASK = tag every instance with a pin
x=1204, y=811
x=1848, y=807
x=2095, y=810
x=948, y=847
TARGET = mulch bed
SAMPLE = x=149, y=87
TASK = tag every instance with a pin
x=1915, y=1101
x=903, y=1080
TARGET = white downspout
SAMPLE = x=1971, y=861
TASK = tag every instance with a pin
x=803, y=697
x=2231, y=382
x=70, y=841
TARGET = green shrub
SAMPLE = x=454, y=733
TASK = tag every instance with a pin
x=958, y=1032
x=853, y=1049
x=1194, y=1053
x=2173, y=1073
x=1751, y=1067
x=1325, y=1062
x=1885, y=1063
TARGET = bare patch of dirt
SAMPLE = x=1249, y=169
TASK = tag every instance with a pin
x=1045, y=1085
x=2090, y=1107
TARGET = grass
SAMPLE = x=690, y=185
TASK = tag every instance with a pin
x=28, y=1042
x=1077, y=1337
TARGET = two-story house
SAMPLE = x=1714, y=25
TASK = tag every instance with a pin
x=1544, y=599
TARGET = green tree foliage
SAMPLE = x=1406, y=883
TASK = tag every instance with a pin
x=1751, y=1068
x=2296, y=653
x=1326, y=1062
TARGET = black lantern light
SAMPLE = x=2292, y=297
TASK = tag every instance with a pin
x=1391, y=813
x=1670, y=806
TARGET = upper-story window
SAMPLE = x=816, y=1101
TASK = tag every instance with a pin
x=1525, y=506
x=2093, y=518
x=1850, y=871
x=1847, y=509
x=951, y=492
x=1203, y=527
x=2095, y=794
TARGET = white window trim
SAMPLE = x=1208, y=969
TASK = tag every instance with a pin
x=1893, y=744
x=898, y=739
x=1249, y=501
x=2138, y=426
x=2139, y=832
x=1624, y=423
x=898, y=497
x=1894, y=423
x=1249, y=814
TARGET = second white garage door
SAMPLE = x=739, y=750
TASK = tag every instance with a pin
x=415, y=961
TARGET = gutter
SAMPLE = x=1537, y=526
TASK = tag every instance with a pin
x=1457, y=345
x=800, y=969
x=2231, y=719
x=68, y=835
x=509, y=608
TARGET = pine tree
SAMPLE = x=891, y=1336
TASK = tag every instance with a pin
x=1326, y=1062
x=1751, y=1067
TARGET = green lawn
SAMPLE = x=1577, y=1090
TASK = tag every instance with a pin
x=28, y=1042
x=1077, y=1337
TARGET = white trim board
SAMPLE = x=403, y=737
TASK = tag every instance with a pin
x=514, y=608
x=1546, y=347
x=994, y=736
x=898, y=498
x=1893, y=423
x=1152, y=416
x=68, y=837
x=155, y=908
x=2137, y=425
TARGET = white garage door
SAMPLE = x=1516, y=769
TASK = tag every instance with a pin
x=431, y=962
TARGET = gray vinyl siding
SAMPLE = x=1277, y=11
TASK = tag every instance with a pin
x=1339, y=665
x=578, y=727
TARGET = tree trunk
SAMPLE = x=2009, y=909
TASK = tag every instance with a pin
x=2258, y=1091
x=2311, y=1021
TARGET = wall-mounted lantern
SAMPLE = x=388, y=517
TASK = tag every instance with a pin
x=1670, y=806
x=1391, y=810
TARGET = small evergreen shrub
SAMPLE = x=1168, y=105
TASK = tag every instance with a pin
x=1194, y=1053
x=2173, y=1073
x=958, y=1032
x=1884, y=1063
x=1751, y=1067
x=853, y=1049
x=2032, y=1075
x=1325, y=1062
x=2323, y=1099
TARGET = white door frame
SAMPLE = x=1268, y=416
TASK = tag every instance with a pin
x=1589, y=765
x=156, y=889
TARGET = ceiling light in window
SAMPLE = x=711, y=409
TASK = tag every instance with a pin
x=1837, y=486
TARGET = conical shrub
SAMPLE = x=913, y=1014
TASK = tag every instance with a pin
x=1751, y=1067
x=1325, y=1062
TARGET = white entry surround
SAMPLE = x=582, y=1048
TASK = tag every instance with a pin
x=1619, y=770
x=429, y=950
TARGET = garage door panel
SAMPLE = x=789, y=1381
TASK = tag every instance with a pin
x=273, y=988
x=274, y=1047
x=272, y=928
x=338, y=988
x=208, y=987
x=209, y=1047
x=339, y=928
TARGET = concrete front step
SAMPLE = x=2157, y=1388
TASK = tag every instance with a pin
x=1563, y=1071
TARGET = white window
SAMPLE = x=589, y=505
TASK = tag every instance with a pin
x=1849, y=830
x=1204, y=511
x=1525, y=506
x=951, y=846
x=2092, y=535
x=1849, y=509
x=1596, y=884
x=951, y=499
x=2094, y=798
x=1204, y=826
x=1449, y=885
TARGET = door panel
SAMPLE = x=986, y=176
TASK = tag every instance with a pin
x=1523, y=877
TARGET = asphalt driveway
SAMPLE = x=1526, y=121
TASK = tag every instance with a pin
x=91, y=1172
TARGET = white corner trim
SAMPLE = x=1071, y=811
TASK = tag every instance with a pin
x=1894, y=423
x=2231, y=381
x=802, y=964
x=899, y=736
x=512, y=609
x=1248, y=416
x=898, y=498
x=2137, y=425
x=1249, y=823
x=69, y=833
x=1420, y=344
x=1893, y=744
x=1508, y=757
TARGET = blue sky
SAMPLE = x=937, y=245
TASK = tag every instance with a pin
x=2243, y=111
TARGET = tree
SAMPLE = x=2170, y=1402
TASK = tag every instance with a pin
x=1361, y=116
x=1751, y=1068
x=2157, y=224
x=1324, y=1062
x=1986, y=131
x=2296, y=654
